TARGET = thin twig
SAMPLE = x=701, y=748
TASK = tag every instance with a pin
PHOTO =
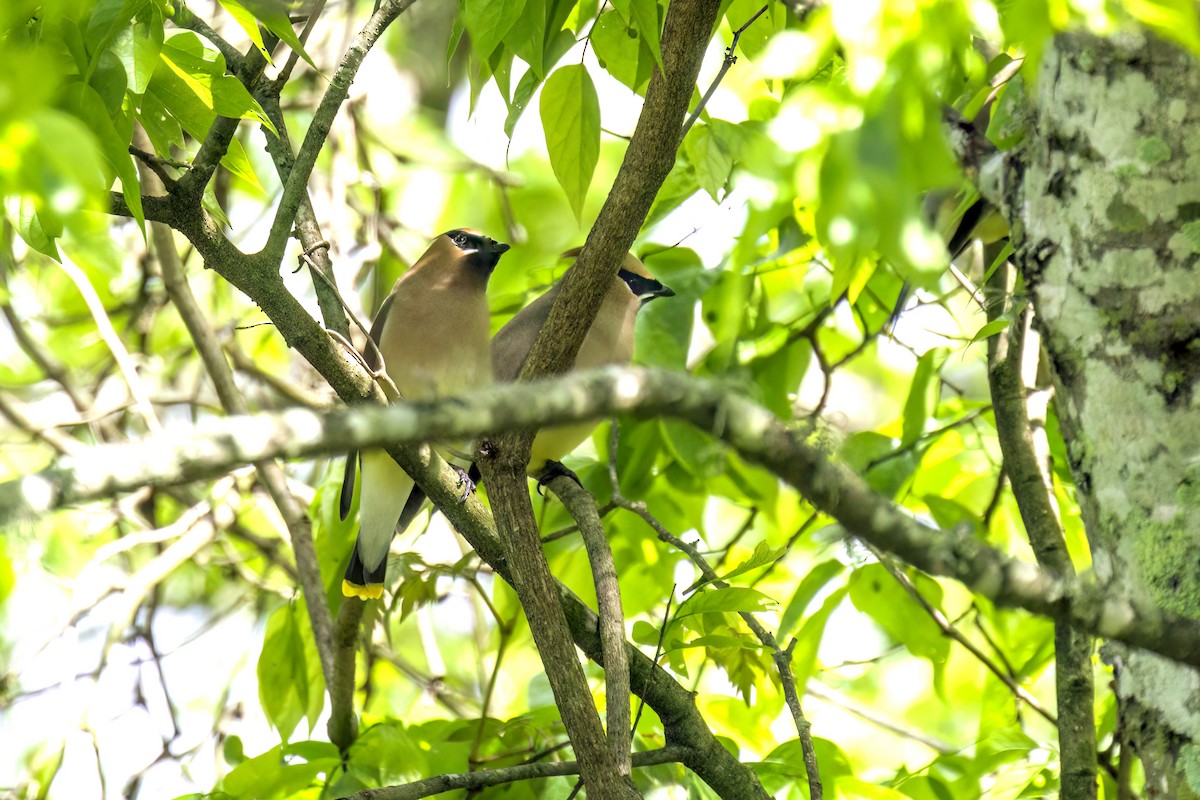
x=951, y=632
x=294, y=57
x=822, y=692
x=137, y=389
x=730, y=60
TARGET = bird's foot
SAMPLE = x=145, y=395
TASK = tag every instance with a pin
x=465, y=482
x=552, y=470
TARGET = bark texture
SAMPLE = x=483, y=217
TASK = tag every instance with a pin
x=1108, y=197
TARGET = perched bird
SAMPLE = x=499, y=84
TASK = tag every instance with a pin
x=432, y=333
x=608, y=341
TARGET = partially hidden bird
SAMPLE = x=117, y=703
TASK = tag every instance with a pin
x=608, y=341
x=432, y=335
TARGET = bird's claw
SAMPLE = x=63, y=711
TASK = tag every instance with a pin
x=465, y=482
x=552, y=470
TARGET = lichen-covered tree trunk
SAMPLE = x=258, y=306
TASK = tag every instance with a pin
x=1107, y=211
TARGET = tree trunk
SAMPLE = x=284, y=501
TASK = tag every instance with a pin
x=1109, y=203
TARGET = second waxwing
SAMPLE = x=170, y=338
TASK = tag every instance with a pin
x=432, y=332
x=608, y=341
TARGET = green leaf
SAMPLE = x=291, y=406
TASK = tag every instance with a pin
x=813, y=582
x=29, y=225
x=237, y=161
x=527, y=37
x=850, y=278
x=1177, y=20
x=763, y=555
x=160, y=125
x=108, y=18
x=287, y=686
x=274, y=15
x=386, y=755
x=488, y=22
x=520, y=100
x=711, y=158
x=242, y=16
x=728, y=599
x=990, y=329
x=1010, y=114
x=530, y=81
x=754, y=38
x=641, y=443
x=88, y=106
x=808, y=639
x=234, y=752
x=779, y=374
x=718, y=641
x=281, y=771
x=8, y=578
x=201, y=73
x=110, y=81
x=923, y=394
x=878, y=595
x=571, y=118
x=643, y=15
x=138, y=46
x=664, y=331
x=621, y=52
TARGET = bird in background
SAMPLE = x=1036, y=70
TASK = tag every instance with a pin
x=432, y=333
x=608, y=341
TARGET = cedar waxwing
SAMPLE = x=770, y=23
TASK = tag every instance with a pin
x=609, y=341
x=432, y=332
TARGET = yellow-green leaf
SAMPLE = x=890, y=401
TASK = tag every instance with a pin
x=571, y=118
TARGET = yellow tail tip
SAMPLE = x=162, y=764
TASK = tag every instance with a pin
x=372, y=591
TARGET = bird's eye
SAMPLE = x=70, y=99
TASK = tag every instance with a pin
x=460, y=238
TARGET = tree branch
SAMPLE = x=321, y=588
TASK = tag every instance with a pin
x=582, y=507
x=754, y=432
x=1028, y=475
x=495, y=777
x=649, y=158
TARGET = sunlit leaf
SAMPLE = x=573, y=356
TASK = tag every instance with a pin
x=489, y=21
x=86, y=103
x=644, y=17
x=727, y=599
x=813, y=582
x=923, y=395
x=571, y=117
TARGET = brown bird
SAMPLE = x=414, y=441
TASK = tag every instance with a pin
x=432, y=332
x=608, y=341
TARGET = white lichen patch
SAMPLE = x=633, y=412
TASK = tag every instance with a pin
x=1166, y=686
x=1186, y=242
x=1178, y=287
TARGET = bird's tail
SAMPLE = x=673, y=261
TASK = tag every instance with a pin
x=361, y=582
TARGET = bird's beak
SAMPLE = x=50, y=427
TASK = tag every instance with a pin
x=661, y=291
x=489, y=255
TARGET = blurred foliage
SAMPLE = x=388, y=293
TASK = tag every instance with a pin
x=787, y=228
